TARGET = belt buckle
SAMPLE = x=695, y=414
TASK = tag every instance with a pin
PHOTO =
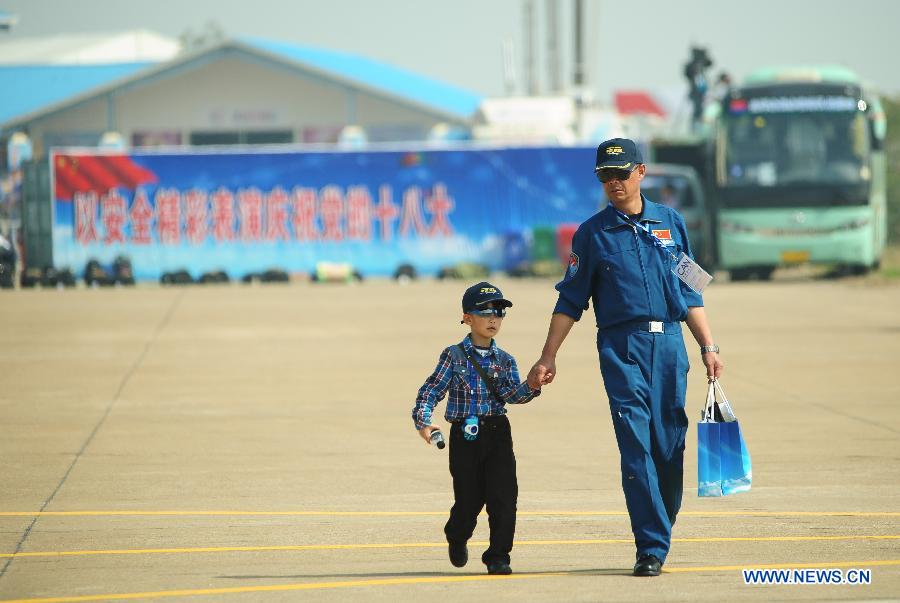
x=656, y=326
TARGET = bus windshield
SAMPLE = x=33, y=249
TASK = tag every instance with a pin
x=784, y=148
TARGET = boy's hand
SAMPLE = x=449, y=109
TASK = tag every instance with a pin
x=425, y=432
x=542, y=373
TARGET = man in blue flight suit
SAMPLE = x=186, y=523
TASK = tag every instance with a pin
x=623, y=259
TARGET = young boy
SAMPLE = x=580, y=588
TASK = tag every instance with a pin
x=482, y=379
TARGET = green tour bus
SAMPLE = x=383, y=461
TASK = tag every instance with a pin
x=799, y=169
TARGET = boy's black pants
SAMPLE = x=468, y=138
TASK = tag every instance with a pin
x=484, y=473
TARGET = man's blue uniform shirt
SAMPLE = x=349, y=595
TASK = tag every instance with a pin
x=469, y=393
x=628, y=277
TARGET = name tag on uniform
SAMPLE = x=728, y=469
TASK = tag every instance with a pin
x=691, y=273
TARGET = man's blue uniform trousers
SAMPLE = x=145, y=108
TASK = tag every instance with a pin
x=645, y=375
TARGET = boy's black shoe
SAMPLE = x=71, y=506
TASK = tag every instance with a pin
x=499, y=569
x=459, y=554
x=647, y=565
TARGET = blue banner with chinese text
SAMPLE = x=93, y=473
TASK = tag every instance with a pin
x=243, y=211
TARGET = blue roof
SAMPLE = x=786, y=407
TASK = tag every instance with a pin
x=377, y=76
x=30, y=88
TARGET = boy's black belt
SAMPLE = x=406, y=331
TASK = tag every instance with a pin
x=483, y=419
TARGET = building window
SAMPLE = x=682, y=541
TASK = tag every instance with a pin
x=219, y=137
x=154, y=138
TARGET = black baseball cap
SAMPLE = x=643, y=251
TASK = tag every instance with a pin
x=481, y=294
x=619, y=154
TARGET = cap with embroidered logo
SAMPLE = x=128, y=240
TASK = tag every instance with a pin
x=619, y=154
x=481, y=294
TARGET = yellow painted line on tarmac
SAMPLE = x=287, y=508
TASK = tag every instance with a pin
x=218, y=513
x=784, y=538
x=751, y=513
x=440, y=513
x=413, y=545
x=817, y=564
x=282, y=587
x=421, y=580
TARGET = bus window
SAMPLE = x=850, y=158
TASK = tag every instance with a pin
x=847, y=150
x=805, y=147
x=751, y=147
x=671, y=191
x=796, y=148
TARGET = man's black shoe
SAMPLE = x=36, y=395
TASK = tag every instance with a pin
x=647, y=565
x=499, y=569
x=459, y=554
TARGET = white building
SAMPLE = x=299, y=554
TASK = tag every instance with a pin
x=70, y=90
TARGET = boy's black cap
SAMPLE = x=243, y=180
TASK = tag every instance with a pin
x=618, y=153
x=481, y=294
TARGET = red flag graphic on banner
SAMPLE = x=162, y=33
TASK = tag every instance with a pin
x=99, y=174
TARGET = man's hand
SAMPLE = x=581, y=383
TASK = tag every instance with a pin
x=544, y=370
x=714, y=365
x=542, y=373
x=425, y=432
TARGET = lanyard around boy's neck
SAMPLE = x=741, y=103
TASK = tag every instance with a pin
x=471, y=358
x=645, y=229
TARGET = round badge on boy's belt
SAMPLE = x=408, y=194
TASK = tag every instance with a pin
x=470, y=429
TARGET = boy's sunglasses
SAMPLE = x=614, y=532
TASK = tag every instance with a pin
x=610, y=174
x=487, y=312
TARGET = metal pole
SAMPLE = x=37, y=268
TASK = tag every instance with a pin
x=553, y=67
x=509, y=68
x=528, y=25
x=579, y=45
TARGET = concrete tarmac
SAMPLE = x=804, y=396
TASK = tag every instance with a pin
x=254, y=443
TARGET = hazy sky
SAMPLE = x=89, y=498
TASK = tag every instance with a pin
x=636, y=45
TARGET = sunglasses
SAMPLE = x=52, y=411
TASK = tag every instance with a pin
x=610, y=174
x=488, y=312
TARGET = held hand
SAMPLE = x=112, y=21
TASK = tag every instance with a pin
x=425, y=433
x=714, y=365
x=542, y=373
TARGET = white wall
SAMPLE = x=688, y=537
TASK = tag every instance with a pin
x=235, y=94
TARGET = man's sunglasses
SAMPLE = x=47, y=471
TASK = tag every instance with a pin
x=610, y=174
x=488, y=312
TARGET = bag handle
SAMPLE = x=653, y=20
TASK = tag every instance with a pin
x=707, y=415
x=727, y=414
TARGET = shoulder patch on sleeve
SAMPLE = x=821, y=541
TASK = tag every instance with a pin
x=573, y=264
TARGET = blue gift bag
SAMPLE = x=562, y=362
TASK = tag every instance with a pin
x=709, y=465
x=723, y=462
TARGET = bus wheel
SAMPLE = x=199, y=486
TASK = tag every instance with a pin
x=845, y=270
x=748, y=273
x=740, y=274
x=765, y=272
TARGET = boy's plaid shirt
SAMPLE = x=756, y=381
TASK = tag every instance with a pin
x=456, y=375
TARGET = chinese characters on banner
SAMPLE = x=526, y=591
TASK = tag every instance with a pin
x=247, y=210
x=196, y=216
